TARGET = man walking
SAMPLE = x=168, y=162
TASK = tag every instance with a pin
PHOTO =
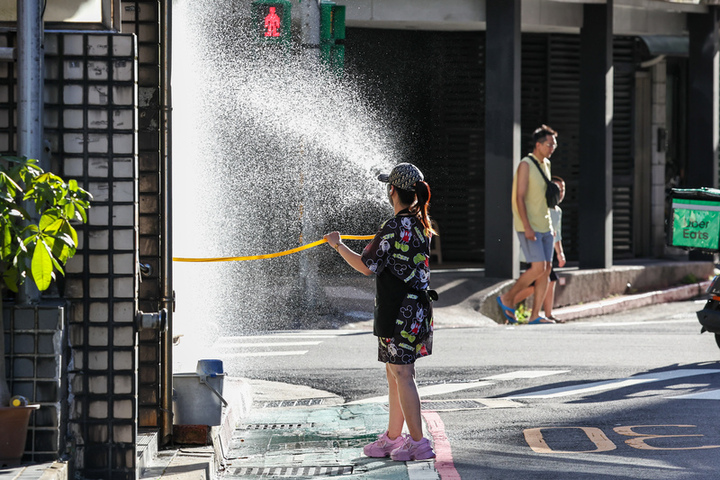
x=531, y=217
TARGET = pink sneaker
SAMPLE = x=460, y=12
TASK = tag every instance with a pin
x=382, y=446
x=412, y=450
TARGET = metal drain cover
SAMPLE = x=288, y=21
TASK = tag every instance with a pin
x=275, y=426
x=292, y=472
x=303, y=402
x=447, y=405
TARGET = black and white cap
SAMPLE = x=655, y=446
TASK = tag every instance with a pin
x=404, y=176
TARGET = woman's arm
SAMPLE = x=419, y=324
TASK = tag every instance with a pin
x=353, y=259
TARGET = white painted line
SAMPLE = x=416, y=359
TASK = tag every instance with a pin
x=422, y=470
x=623, y=324
x=264, y=354
x=499, y=403
x=428, y=391
x=614, y=384
x=449, y=388
x=450, y=285
x=270, y=344
x=709, y=395
x=264, y=337
x=525, y=374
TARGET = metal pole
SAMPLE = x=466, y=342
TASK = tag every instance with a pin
x=166, y=273
x=30, y=56
x=310, y=31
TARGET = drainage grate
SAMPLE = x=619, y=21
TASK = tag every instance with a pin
x=292, y=472
x=275, y=426
x=446, y=405
x=303, y=402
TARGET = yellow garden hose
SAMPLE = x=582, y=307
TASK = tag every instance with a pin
x=271, y=255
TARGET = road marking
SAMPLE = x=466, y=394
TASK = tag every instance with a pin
x=450, y=285
x=427, y=391
x=444, y=464
x=534, y=438
x=525, y=374
x=623, y=324
x=422, y=470
x=264, y=354
x=271, y=344
x=449, y=388
x=709, y=395
x=614, y=384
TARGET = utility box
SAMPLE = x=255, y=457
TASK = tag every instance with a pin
x=197, y=398
x=695, y=219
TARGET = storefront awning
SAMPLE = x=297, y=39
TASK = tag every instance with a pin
x=668, y=45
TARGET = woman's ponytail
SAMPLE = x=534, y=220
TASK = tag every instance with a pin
x=422, y=206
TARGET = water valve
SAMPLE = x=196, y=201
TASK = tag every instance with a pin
x=153, y=320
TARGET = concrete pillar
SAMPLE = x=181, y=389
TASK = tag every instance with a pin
x=502, y=134
x=658, y=149
x=702, y=169
x=596, y=121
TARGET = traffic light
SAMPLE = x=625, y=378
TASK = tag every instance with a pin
x=272, y=21
x=332, y=35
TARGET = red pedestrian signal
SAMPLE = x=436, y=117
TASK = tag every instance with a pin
x=272, y=24
x=272, y=21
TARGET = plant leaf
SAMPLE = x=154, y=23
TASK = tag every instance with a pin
x=42, y=266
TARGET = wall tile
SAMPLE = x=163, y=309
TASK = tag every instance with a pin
x=73, y=118
x=98, y=215
x=98, y=384
x=123, y=167
x=97, y=143
x=99, y=312
x=124, y=239
x=73, y=69
x=97, y=45
x=73, y=45
x=122, y=360
x=124, y=287
x=98, y=336
x=73, y=143
x=124, y=311
x=98, y=94
x=73, y=167
x=98, y=409
x=99, y=288
x=99, y=240
x=98, y=360
x=123, y=336
x=123, y=409
x=73, y=94
x=123, y=215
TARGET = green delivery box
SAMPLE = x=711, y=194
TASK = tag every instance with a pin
x=695, y=219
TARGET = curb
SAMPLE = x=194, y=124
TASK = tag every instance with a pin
x=628, y=302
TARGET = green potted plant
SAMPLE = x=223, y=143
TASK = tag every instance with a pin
x=37, y=238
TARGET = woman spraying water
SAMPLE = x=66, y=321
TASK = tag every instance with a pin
x=398, y=256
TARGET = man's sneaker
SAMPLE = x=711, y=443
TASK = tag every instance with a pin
x=412, y=450
x=382, y=446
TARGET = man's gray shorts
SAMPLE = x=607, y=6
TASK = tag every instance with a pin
x=540, y=250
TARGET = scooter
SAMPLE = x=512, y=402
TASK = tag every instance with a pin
x=695, y=225
x=709, y=317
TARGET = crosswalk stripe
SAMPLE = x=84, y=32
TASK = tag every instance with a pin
x=594, y=387
x=525, y=374
x=269, y=344
x=708, y=395
x=265, y=354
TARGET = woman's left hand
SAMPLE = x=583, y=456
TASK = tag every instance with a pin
x=332, y=238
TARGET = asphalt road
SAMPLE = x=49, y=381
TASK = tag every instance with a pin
x=631, y=395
